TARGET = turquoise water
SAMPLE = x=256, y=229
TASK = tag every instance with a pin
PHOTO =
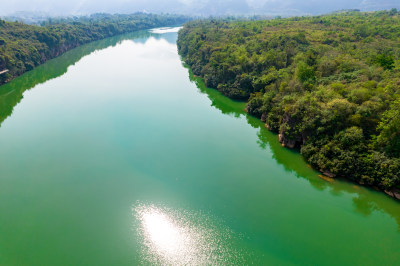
x=114, y=154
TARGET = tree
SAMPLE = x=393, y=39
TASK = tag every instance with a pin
x=389, y=137
x=385, y=61
x=305, y=73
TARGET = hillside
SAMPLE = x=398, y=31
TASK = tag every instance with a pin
x=204, y=8
x=22, y=47
x=327, y=84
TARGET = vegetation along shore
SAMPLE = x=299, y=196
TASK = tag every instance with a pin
x=23, y=47
x=329, y=85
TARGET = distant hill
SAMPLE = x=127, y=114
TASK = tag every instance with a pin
x=196, y=7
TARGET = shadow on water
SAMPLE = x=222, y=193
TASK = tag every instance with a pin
x=365, y=200
x=12, y=93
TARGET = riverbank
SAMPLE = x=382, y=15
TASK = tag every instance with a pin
x=23, y=47
x=320, y=83
x=325, y=175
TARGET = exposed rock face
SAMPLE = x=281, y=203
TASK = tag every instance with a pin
x=289, y=143
x=264, y=118
x=328, y=173
x=57, y=51
x=287, y=136
x=393, y=193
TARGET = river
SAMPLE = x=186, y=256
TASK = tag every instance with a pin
x=115, y=154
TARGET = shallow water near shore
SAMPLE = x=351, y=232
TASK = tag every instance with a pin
x=114, y=154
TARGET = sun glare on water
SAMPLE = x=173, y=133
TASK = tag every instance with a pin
x=168, y=238
x=179, y=238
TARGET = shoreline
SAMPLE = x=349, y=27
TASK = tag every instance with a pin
x=324, y=174
x=70, y=37
x=63, y=49
x=339, y=119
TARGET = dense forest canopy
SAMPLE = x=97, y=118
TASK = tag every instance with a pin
x=328, y=84
x=22, y=47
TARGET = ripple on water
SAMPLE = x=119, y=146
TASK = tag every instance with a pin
x=174, y=237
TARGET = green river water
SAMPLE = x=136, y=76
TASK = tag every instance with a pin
x=114, y=154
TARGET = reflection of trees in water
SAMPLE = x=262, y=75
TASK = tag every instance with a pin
x=12, y=93
x=364, y=201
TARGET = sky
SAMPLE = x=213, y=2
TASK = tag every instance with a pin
x=193, y=7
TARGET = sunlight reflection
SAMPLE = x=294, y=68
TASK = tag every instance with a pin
x=167, y=237
x=165, y=30
x=179, y=238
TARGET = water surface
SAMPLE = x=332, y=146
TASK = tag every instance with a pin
x=114, y=154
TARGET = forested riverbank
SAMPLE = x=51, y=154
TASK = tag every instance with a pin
x=23, y=47
x=328, y=84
